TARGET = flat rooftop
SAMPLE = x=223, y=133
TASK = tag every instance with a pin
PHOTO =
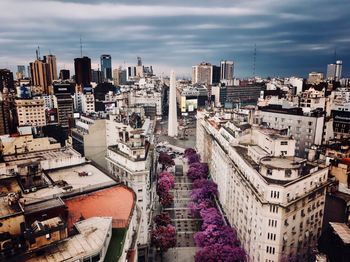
x=342, y=230
x=59, y=153
x=282, y=162
x=71, y=180
x=43, y=205
x=90, y=240
x=8, y=185
x=117, y=202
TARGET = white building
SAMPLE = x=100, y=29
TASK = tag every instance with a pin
x=273, y=199
x=88, y=103
x=202, y=74
x=30, y=112
x=130, y=159
x=341, y=99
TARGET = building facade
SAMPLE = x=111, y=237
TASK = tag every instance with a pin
x=273, y=199
x=31, y=112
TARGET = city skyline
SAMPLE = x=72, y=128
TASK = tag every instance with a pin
x=291, y=39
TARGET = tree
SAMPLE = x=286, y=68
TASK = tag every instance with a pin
x=193, y=158
x=198, y=171
x=166, y=182
x=211, y=216
x=223, y=253
x=202, y=167
x=213, y=234
x=208, y=191
x=166, y=199
x=165, y=160
x=163, y=219
x=195, y=208
x=189, y=151
x=164, y=237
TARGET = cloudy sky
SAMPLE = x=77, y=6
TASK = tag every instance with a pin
x=292, y=37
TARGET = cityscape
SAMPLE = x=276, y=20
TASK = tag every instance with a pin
x=119, y=153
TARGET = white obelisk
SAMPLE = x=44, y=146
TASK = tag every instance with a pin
x=172, y=118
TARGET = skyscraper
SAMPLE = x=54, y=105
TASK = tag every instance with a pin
x=51, y=61
x=131, y=72
x=21, y=70
x=106, y=67
x=202, y=74
x=226, y=70
x=82, y=67
x=41, y=77
x=64, y=74
x=216, y=74
x=172, y=119
x=331, y=72
x=6, y=80
x=338, y=69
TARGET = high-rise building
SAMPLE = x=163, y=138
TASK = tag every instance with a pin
x=119, y=76
x=216, y=74
x=6, y=80
x=63, y=101
x=21, y=72
x=51, y=61
x=139, y=61
x=331, y=72
x=131, y=72
x=226, y=70
x=202, y=74
x=29, y=72
x=41, y=76
x=30, y=112
x=172, y=119
x=64, y=74
x=82, y=67
x=338, y=69
x=106, y=67
x=96, y=76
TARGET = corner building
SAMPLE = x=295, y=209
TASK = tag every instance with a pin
x=274, y=199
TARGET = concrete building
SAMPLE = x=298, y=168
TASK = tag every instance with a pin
x=89, y=139
x=51, y=61
x=130, y=159
x=41, y=76
x=64, y=74
x=106, y=67
x=331, y=72
x=88, y=100
x=338, y=70
x=30, y=112
x=82, y=71
x=119, y=76
x=307, y=129
x=227, y=70
x=274, y=199
x=172, y=118
x=25, y=144
x=315, y=78
x=202, y=74
x=63, y=101
x=6, y=80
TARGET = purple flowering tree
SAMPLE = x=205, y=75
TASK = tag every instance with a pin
x=193, y=158
x=189, y=151
x=223, y=253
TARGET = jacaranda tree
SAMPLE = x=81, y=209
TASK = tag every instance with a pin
x=162, y=219
x=223, y=253
x=165, y=160
x=164, y=237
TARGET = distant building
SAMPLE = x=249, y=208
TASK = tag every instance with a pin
x=338, y=70
x=216, y=74
x=51, y=61
x=119, y=76
x=6, y=80
x=82, y=71
x=106, y=67
x=88, y=100
x=331, y=72
x=315, y=78
x=131, y=72
x=64, y=103
x=202, y=74
x=226, y=70
x=96, y=76
x=64, y=74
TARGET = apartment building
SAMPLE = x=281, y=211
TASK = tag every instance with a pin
x=274, y=199
x=30, y=112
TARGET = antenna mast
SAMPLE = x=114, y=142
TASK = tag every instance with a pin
x=81, y=47
x=254, y=60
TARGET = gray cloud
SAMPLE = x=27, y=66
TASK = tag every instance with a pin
x=292, y=38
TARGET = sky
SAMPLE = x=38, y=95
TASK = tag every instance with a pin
x=292, y=37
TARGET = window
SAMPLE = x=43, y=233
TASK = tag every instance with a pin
x=284, y=143
x=288, y=173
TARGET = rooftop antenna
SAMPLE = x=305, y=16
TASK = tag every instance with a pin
x=254, y=60
x=81, y=47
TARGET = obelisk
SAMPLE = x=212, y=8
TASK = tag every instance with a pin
x=172, y=118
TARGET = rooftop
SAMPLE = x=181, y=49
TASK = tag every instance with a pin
x=7, y=186
x=342, y=230
x=90, y=240
x=71, y=180
x=43, y=205
x=59, y=153
x=116, y=202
